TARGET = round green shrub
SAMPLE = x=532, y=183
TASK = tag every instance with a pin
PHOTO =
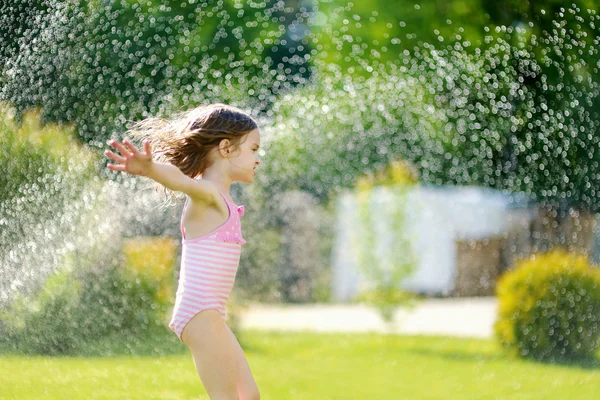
x=75, y=307
x=549, y=307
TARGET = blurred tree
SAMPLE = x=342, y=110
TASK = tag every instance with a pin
x=540, y=12
x=560, y=68
x=382, y=31
x=17, y=22
x=519, y=112
x=48, y=189
x=102, y=63
x=519, y=100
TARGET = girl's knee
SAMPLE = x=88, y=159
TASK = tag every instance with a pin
x=253, y=395
x=250, y=394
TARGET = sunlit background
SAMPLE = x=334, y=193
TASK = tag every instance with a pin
x=411, y=151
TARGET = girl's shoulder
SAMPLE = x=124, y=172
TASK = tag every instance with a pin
x=214, y=200
x=204, y=191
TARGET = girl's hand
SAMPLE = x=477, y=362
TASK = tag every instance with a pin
x=131, y=161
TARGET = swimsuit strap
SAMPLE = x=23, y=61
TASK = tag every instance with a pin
x=227, y=200
x=182, y=215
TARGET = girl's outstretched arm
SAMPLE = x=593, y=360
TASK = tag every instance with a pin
x=135, y=162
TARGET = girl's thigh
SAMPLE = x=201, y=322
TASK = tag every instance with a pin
x=215, y=355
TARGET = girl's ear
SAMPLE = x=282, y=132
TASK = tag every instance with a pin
x=224, y=148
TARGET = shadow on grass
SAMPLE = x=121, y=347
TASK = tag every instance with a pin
x=151, y=342
x=582, y=363
x=456, y=356
x=154, y=342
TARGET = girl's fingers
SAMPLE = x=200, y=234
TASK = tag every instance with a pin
x=147, y=148
x=116, y=167
x=131, y=147
x=114, y=157
x=121, y=149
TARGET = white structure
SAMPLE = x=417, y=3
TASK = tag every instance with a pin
x=436, y=217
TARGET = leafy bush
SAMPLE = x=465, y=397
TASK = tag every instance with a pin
x=386, y=299
x=384, y=268
x=49, y=196
x=44, y=324
x=257, y=276
x=549, y=307
x=35, y=155
x=150, y=262
x=85, y=300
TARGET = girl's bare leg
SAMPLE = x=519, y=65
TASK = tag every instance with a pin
x=247, y=388
x=214, y=354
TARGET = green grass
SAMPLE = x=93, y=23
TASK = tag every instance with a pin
x=301, y=366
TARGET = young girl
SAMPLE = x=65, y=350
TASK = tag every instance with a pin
x=200, y=154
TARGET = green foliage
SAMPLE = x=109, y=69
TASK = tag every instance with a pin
x=80, y=302
x=257, y=277
x=150, y=262
x=18, y=19
x=549, y=307
x=360, y=35
x=48, y=180
x=51, y=199
x=44, y=160
x=92, y=295
x=522, y=110
x=37, y=156
x=264, y=269
x=539, y=13
x=329, y=133
x=518, y=113
x=44, y=325
x=385, y=267
x=102, y=63
x=386, y=299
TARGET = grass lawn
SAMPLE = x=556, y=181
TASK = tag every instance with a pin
x=301, y=366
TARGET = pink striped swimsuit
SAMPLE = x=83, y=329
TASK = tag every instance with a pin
x=209, y=264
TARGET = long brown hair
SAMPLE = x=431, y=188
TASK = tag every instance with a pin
x=186, y=140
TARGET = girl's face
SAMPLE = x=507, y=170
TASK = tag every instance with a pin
x=245, y=159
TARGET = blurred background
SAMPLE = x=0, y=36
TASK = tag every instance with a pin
x=410, y=150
